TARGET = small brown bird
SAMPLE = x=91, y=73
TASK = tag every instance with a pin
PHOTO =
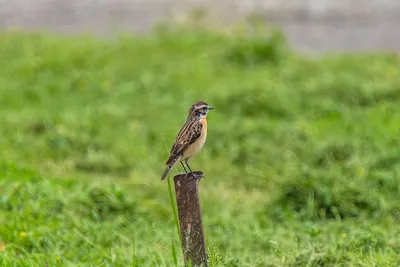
x=190, y=139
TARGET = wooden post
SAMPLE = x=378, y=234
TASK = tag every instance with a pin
x=190, y=222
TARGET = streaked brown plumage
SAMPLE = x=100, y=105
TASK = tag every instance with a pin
x=191, y=137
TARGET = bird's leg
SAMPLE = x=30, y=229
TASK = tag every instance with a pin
x=187, y=164
x=184, y=167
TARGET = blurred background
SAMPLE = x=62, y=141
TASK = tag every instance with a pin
x=302, y=158
x=310, y=25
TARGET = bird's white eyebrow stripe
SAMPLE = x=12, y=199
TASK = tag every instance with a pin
x=202, y=106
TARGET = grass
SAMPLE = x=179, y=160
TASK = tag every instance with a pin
x=302, y=158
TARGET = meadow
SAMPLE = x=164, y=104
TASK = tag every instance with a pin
x=302, y=158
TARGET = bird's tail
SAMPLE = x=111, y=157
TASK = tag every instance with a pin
x=167, y=169
x=170, y=165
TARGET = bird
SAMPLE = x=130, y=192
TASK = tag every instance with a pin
x=190, y=139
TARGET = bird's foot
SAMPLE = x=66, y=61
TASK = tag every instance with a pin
x=198, y=175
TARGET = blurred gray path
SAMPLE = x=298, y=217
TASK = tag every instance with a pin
x=310, y=25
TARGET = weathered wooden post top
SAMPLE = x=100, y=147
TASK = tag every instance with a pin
x=190, y=221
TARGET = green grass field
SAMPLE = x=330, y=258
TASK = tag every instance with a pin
x=302, y=158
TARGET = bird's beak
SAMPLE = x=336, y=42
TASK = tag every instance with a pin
x=210, y=108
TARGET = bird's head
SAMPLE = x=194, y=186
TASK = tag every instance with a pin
x=200, y=109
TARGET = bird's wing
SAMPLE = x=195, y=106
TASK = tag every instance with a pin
x=188, y=134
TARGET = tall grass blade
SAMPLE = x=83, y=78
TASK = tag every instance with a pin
x=174, y=253
x=174, y=209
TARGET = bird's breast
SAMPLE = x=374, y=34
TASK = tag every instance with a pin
x=197, y=145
